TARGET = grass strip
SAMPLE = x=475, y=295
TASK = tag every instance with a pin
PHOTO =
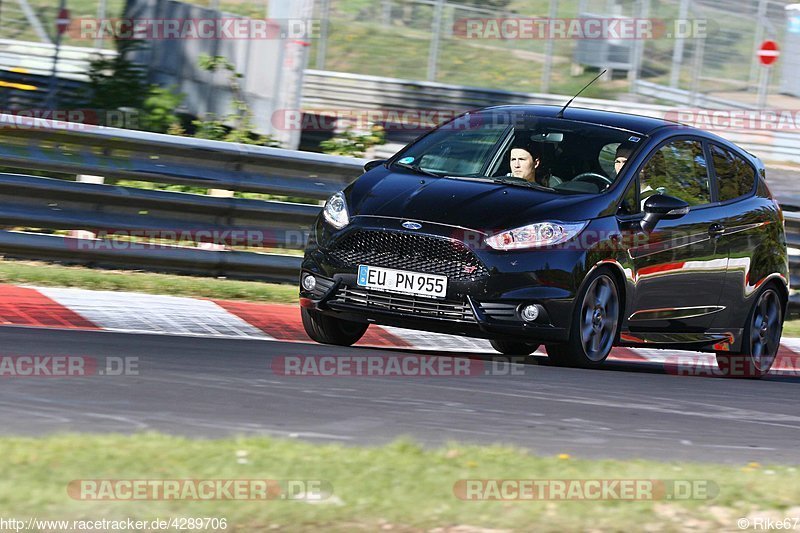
x=44, y=274
x=398, y=487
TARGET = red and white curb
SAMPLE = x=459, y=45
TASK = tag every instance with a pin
x=172, y=315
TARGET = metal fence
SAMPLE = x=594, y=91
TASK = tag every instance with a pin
x=423, y=40
x=721, y=62
x=342, y=92
x=702, y=46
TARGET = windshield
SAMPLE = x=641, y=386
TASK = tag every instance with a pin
x=519, y=148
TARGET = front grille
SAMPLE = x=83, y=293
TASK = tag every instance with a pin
x=405, y=251
x=401, y=303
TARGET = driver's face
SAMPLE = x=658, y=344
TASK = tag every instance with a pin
x=522, y=164
x=619, y=162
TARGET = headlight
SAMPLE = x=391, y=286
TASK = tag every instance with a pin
x=335, y=211
x=535, y=235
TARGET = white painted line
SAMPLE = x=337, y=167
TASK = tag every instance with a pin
x=792, y=343
x=423, y=340
x=655, y=355
x=130, y=312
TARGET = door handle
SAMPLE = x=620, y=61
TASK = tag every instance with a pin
x=715, y=230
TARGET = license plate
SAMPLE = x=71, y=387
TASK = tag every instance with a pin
x=402, y=281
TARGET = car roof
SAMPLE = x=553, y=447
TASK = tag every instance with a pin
x=633, y=123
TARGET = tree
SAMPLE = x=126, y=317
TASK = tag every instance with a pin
x=117, y=82
x=158, y=110
x=353, y=143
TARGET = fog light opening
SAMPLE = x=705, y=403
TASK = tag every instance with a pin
x=529, y=313
x=309, y=282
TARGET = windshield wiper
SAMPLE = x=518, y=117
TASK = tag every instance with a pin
x=510, y=180
x=418, y=169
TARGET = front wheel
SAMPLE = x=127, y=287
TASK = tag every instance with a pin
x=331, y=330
x=514, y=347
x=594, y=325
x=760, y=342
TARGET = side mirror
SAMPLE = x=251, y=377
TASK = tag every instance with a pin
x=372, y=164
x=662, y=206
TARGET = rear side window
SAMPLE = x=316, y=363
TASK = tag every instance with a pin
x=735, y=176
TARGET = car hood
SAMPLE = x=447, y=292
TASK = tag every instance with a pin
x=462, y=202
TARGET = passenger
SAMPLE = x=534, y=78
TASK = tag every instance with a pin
x=624, y=151
x=526, y=163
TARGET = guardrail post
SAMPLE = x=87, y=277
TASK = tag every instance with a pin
x=219, y=193
x=82, y=233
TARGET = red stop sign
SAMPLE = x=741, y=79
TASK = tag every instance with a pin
x=62, y=22
x=768, y=52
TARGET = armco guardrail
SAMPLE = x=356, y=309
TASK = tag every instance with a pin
x=116, y=153
x=36, y=202
x=25, y=69
x=792, y=224
x=37, y=58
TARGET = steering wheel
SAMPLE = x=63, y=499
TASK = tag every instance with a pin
x=592, y=177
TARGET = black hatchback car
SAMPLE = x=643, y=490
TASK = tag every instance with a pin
x=576, y=229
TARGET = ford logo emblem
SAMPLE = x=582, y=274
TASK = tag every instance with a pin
x=411, y=225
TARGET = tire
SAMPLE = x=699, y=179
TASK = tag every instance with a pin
x=595, y=324
x=760, y=341
x=330, y=330
x=514, y=347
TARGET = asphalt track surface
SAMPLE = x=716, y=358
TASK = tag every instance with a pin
x=206, y=387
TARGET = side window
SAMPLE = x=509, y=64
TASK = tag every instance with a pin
x=735, y=176
x=677, y=169
x=628, y=206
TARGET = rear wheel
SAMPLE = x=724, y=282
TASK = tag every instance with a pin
x=594, y=325
x=514, y=347
x=761, y=339
x=330, y=330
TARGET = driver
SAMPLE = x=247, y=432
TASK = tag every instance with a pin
x=526, y=162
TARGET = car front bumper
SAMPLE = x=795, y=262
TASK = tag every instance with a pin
x=345, y=300
x=486, y=305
